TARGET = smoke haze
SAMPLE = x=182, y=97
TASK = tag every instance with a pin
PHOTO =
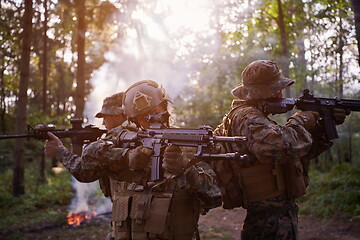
x=157, y=43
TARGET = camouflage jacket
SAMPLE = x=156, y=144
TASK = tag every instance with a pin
x=103, y=159
x=270, y=142
x=98, y=159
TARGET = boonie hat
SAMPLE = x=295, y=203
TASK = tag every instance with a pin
x=112, y=105
x=261, y=79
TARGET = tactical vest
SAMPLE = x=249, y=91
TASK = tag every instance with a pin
x=140, y=213
x=242, y=185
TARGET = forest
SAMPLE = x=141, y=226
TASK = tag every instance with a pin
x=61, y=58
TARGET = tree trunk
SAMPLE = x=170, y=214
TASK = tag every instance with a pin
x=42, y=168
x=80, y=73
x=340, y=84
x=3, y=104
x=45, y=59
x=301, y=70
x=301, y=67
x=18, y=177
x=349, y=153
x=44, y=89
x=356, y=9
x=284, y=60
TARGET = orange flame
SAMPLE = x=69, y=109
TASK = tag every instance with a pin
x=75, y=219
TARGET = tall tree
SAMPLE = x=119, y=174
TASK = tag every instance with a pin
x=10, y=23
x=45, y=58
x=356, y=9
x=300, y=25
x=18, y=177
x=285, y=58
x=45, y=80
x=80, y=72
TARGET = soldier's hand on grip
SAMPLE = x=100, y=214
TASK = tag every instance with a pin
x=52, y=145
x=340, y=114
x=307, y=118
x=174, y=161
x=139, y=158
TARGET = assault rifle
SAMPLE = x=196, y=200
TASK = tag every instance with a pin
x=158, y=136
x=307, y=102
x=78, y=134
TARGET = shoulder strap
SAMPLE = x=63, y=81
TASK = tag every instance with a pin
x=227, y=128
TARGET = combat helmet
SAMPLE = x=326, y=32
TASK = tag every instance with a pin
x=261, y=79
x=112, y=105
x=141, y=97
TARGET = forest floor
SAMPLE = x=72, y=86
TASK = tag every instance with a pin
x=217, y=224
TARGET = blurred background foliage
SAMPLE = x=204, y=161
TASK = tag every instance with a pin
x=313, y=41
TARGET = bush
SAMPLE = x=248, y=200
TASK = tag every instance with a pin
x=336, y=192
x=39, y=199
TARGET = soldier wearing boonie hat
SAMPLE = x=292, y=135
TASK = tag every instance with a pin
x=111, y=105
x=276, y=172
x=100, y=160
x=261, y=79
x=112, y=111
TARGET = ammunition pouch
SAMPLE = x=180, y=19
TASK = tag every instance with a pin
x=231, y=191
x=296, y=178
x=262, y=181
x=146, y=214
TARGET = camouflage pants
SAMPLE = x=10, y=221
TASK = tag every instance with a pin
x=271, y=223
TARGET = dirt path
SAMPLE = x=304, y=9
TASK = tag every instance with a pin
x=228, y=224
x=216, y=225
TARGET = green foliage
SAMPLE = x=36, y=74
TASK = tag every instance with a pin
x=40, y=200
x=215, y=234
x=333, y=193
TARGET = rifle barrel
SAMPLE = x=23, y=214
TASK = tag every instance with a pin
x=16, y=136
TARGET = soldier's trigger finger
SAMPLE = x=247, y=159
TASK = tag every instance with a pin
x=339, y=118
x=339, y=110
x=51, y=135
x=145, y=150
x=172, y=168
x=316, y=114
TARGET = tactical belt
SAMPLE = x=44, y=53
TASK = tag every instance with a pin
x=274, y=210
x=118, y=186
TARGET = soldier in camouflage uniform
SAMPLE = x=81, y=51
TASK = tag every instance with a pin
x=142, y=209
x=166, y=209
x=84, y=168
x=276, y=172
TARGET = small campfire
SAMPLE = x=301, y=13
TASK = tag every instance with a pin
x=75, y=219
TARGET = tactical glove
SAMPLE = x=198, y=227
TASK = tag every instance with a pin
x=339, y=115
x=174, y=161
x=139, y=158
x=308, y=119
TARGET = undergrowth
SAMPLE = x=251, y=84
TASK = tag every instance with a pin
x=335, y=193
x=41, y=201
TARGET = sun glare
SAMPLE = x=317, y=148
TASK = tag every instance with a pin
x=193, y=15
x=187, y=15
